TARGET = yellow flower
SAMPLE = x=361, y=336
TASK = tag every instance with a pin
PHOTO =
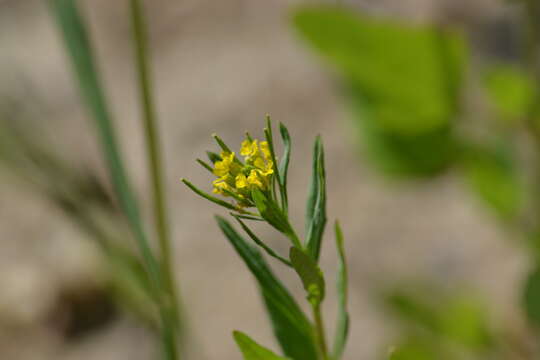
x=249, y=148
x=265, y=149
x=241, y=181
x=223, y=167
x=253, y=179
x=220, y=185
x=237, y=179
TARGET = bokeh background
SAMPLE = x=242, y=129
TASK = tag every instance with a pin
x=220, y=66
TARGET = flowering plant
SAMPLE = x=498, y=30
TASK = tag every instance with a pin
x=257, y=187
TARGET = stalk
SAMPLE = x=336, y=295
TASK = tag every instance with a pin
x=319, y=332
x=154, y=155
x=532, y=64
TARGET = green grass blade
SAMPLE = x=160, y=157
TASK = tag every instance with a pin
x=291, y=327
x=342, y=328
x=316, y=203
x=75, y=37
x=78, y=45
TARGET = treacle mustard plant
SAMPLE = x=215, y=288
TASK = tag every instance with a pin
x=254, y=187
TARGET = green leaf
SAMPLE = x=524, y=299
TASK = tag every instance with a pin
x=464, y=320
x=310, y=274
x=271, y=212
x=316, y=203
x=209, y=197
x=403, y=82
x=408, y=73
x=213, y=157
x=403, y=156
x=291, y=327
x=253, y=351
x=492, y=175
x=415, y=349
x=342, y=327
x=510, y=90
x=531, y=297
x=259, y=242
x=205, y=165
x=284, y=164
x=221, y=143
x=459, y=318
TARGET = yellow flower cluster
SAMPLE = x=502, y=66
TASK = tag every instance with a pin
x=237, y=178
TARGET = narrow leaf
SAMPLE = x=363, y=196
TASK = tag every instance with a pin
x=213, y=157
x=284, y=163
x=73, y=29
x=291, y=327
x=221, y=143
x=531, y=298
x=205, y=165
x=259, y=242
x=342, y=327
x=316, y=203
x=253, y=351
x=310, y=274
x=209, y=197
x=271, y=212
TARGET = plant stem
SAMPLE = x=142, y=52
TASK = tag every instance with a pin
x=156, y=168
x=532, y=54
x=532, y=64
x=319, y=332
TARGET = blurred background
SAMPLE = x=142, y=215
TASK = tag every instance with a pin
x=220, y=67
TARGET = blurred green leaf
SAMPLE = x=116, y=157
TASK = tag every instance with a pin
x=412, y=310
x=458, y=320
x=291, y=327
x=464, y=320
x=79, y=48
x=510, y=90
x=492, y=174
x=342, y=327
x=531, y=297
x=253, y=351
x=409, y=74
x=425, y=154
x=415, y=349
x=310, y=274
x=403, y=82
x=316, y=202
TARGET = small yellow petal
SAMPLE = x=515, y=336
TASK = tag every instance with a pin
x=245, y=148
x=241, y=181
x=265, y=149
x=253, y=179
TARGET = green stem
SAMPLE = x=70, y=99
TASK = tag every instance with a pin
x=156, y=169
x=319, y=332
x=532, y=63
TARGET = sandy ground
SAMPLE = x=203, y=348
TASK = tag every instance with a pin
x=219, y=67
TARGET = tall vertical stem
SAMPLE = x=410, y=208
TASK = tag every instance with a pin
x=154, y=163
